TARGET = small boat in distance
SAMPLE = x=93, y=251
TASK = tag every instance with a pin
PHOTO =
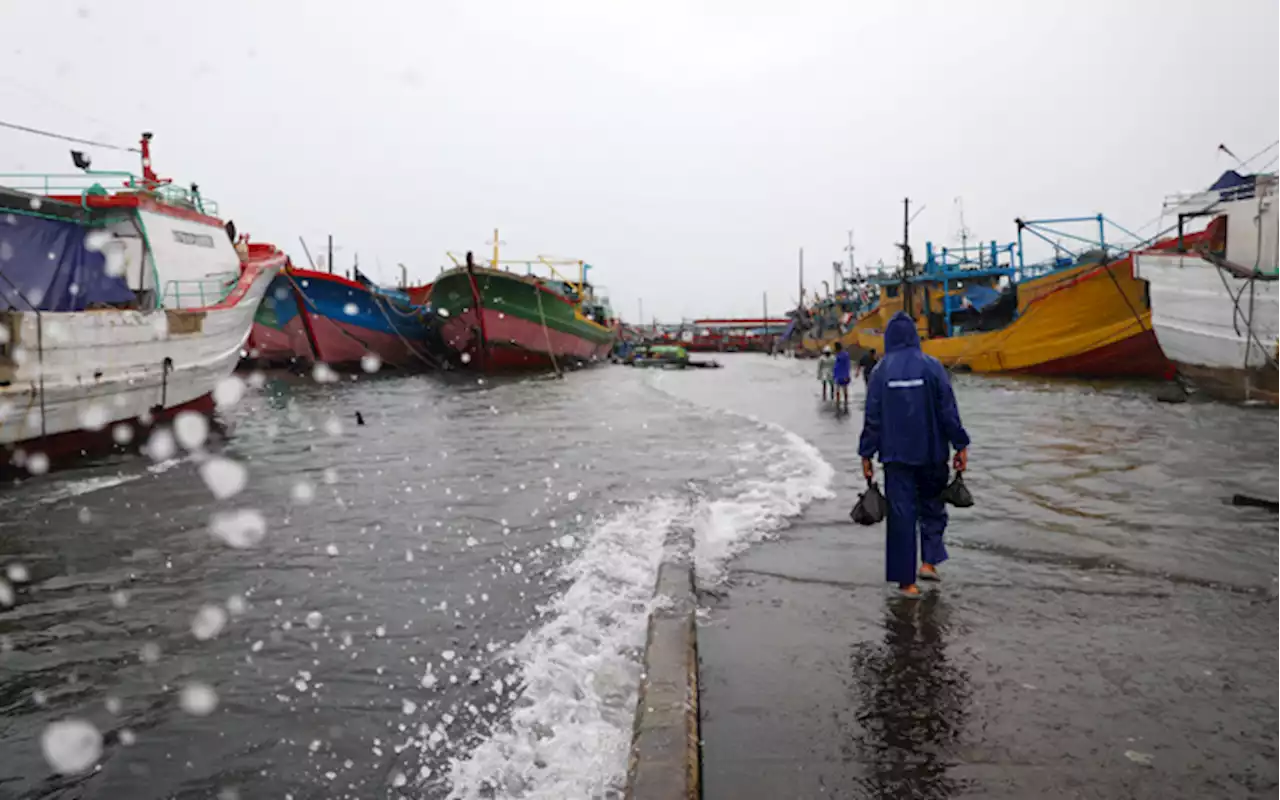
x=1214, y=294
x=121, y=306
x=493, y=319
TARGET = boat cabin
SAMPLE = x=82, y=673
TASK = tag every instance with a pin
x=150, y=243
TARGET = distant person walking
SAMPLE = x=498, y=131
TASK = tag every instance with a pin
x=866, y=364
x=843, y=367
x=826, y=362
x=912, y=423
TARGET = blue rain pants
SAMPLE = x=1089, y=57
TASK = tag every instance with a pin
x=912, y=492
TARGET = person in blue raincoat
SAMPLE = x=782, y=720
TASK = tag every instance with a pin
x=912, y=423
x=840, y=372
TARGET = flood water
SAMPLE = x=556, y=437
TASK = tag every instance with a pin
x=449, y=600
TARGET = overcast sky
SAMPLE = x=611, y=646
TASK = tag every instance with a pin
x=687, y=150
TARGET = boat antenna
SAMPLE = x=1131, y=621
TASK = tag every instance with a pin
x=1222, y=148
x=964, y=229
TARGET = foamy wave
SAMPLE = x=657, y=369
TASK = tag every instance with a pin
x=795, y=475
x=85, y=486
x=570, y=732
x=569, y=735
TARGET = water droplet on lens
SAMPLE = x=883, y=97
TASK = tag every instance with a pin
x=93, y=417
x=122, y=433
x=198, y=699
x=208, y=622
x=243, y=527
x=37, y=463
x=160, y=445
x=228, y=391
x=191, y=429
x=71, y=746
x=224, y=477
x=302, y=492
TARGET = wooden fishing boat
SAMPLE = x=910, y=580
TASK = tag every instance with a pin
x=492, y=318
x=120, y=306
x=1214, y=295
x=314, y=316
x=1081, y=314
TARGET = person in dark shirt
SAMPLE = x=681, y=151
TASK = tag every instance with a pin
x=865, y=365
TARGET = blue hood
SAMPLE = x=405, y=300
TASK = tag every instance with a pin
x=901, y=334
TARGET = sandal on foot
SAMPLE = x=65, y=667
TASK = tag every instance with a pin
x=912, y=591
x=929, y=572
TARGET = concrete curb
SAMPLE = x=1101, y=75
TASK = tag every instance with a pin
x=665, y=757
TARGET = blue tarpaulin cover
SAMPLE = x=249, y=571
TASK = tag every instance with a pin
x=46, y=266
x=978, y=297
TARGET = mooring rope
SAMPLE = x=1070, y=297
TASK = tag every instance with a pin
x=309, y=302
x=546, y=332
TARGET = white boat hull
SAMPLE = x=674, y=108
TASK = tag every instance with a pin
x=1220, y=330
x=84, y=372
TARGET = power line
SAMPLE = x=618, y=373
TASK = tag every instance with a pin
x=72, y=139
x=1260, y=152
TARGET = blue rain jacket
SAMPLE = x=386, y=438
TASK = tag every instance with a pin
x=911, y=415
x=843, y=367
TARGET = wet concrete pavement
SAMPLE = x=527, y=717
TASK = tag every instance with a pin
x=1106, y=628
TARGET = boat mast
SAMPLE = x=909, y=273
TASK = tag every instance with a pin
x=767, y=336
x=906, y=256
x=849, y=248
x=801, y=277
x=495, y=244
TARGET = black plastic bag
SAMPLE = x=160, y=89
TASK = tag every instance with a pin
x=871, y=506
x=956, y=493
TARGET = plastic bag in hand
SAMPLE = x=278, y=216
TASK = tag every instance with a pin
x=871, y=506
x=956, y=493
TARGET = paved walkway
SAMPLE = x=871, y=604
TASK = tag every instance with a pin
x=1056, y=660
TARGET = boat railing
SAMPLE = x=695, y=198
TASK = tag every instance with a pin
x=92, y=183
x=198, y=292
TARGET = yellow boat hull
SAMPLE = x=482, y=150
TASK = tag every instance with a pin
x=1087, y=321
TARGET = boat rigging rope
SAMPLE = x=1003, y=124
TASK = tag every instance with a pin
x=308, y=301
x=73, y=139
x=537, y=290
x=426, y=359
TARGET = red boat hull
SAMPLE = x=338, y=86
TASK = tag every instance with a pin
x=68, y=448
x=516, y=343
x=1138, y=356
